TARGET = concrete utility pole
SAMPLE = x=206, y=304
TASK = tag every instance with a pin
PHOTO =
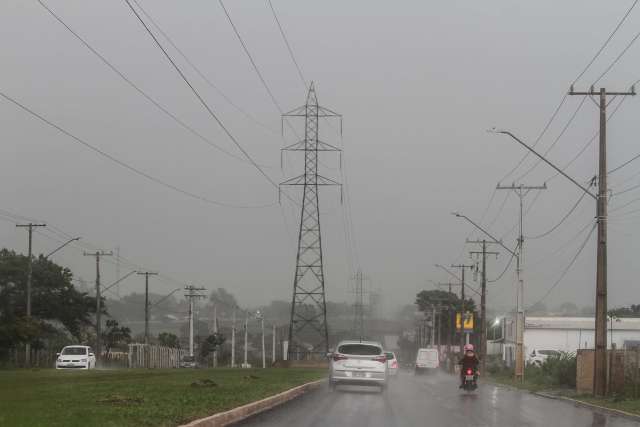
x=233, y=340
x=464, y=336
x=433, y=325
x=246, y=340
x=273, y=345
x=600, y=366
x=29, y=227
x=98, y=254
x=521, y=191
x=146, y=275
x=483, y=301
x=192, y=294
x=261, y=317
x=215, y=331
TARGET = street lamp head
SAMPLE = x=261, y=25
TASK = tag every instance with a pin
x=496, y=322
x=456, y=214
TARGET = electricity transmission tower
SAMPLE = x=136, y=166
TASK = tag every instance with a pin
x=308, y=322
x=358, y=306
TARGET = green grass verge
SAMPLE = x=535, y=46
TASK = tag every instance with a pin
x=135, y=397
x=622, y=404
x=511, y=382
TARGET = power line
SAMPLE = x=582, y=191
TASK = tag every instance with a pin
x=573, y=208
x=137, y=88
x=564, y=98
x=624, y=164
x=286, y=42
x=615, y=61
x=513, y=255
x=200, y=73
x=199, y=97
x=253, y=63
x=560, y=135
x=562, y=246
x=126, y=165
x=615, y=30
x=566, y=270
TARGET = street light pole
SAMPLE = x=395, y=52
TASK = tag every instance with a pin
x=61, y=246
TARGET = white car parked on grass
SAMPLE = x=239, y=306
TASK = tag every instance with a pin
x=538, y=357
x=358, y=363
x=76, y=357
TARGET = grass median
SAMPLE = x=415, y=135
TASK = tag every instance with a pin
x=135, y=397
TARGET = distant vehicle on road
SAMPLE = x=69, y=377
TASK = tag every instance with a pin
x=76, y=357
x=538, y=357
x=358, y=363
x=188, y=362
x=392, y=364
x=427, y=360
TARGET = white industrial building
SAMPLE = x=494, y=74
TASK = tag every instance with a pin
x=567, y=334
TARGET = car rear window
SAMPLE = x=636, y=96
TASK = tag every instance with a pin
x=390, y=355
x=360, y=349
x=74, y=351
x=428, y=355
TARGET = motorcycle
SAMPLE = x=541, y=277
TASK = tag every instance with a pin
x=470, y=380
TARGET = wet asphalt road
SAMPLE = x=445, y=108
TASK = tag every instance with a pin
x=431, y=401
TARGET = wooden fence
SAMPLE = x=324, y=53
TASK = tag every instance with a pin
x=154, y=356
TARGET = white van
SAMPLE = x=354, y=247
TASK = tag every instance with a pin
x=427, y=360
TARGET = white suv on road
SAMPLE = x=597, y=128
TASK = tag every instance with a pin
x=358, y=363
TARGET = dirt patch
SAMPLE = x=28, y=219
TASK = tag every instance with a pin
x=117, y=399
x=205, y=383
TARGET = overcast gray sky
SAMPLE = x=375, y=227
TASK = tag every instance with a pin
x=418, y=84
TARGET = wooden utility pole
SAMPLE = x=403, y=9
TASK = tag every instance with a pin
x=29, y=227
x=146, y=275
x=483, y=300
x=522, y=191
x=600, y=366
x=98, y=254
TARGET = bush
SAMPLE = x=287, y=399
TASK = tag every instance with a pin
x=556, y=371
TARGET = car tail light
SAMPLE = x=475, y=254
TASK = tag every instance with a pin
x=337, y=357
x=381, y=359
x=469, y=372
x=394, y=364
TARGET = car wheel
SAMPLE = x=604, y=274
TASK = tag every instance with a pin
x=332, y=385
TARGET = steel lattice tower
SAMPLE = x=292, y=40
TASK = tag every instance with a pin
x=308, y=331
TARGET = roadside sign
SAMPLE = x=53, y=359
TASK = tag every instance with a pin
x=468, y=322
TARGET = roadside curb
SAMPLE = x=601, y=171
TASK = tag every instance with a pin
x=576, y=402
x=590, y=405
x=250, y=409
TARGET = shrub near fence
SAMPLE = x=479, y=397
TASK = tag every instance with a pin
x=154, y=356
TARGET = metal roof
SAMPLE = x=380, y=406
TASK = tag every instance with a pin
x=588, y=323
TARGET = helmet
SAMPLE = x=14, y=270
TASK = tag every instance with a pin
x=468, y=347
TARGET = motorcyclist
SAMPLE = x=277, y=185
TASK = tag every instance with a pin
x=468, y=361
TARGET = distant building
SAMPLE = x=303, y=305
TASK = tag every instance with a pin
x=567, y=334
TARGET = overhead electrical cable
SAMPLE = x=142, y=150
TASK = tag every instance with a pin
x=624, y=164
x=615, y=61
x=560, y=135
x=555, y=227
x=201, y=99
x=564, y=98
x=552, y=254
x=138, y=89
x=202, y=75
x=125, y=165
x=566, y=270
x=286, y=41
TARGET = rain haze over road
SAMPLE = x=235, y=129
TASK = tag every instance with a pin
x=418, y=83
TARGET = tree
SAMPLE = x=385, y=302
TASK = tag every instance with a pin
x=57, y=307
x=211, y=344
x=568, y=309
x=632, y=311
x=449, y=303
x=115, y=334
x=169, y=340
